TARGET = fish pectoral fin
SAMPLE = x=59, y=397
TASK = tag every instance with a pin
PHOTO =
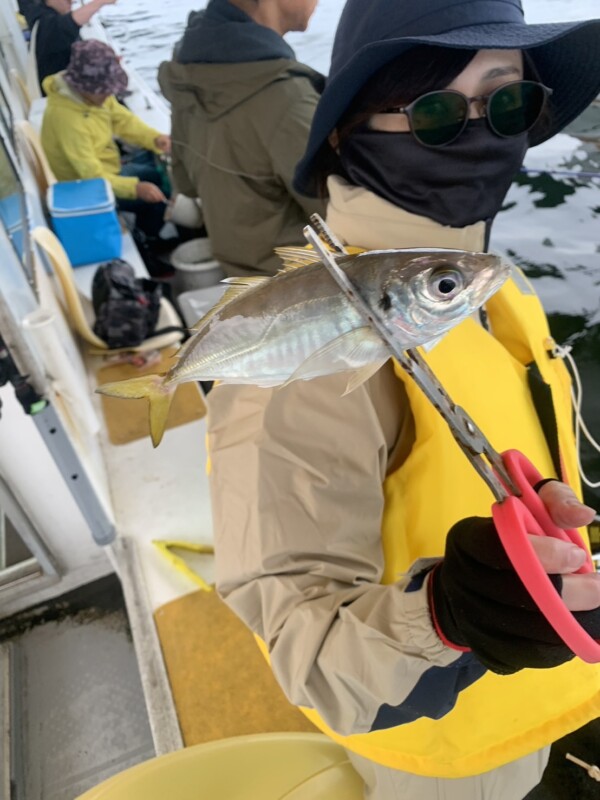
x=361, y=375
x=237, y=286
x=151, y=388
x=351, y=350
x=295, y=257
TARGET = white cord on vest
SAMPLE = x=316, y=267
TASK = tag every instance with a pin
x=577, y=399
x=592, y=770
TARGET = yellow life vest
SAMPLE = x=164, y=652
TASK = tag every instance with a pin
x=498, y=718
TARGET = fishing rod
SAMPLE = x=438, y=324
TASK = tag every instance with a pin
x=565, y=173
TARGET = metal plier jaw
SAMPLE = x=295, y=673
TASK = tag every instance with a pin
x=470, y=438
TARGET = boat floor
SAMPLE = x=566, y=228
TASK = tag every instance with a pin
x=221, y=684
x=74, y=703
x=223, y=687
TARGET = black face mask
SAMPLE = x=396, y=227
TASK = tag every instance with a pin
x=457, y=185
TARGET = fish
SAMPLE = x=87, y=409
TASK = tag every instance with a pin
x=299, y=324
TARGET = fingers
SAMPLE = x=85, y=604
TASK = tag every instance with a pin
x=564, y=507
x=581, y=592
x=150, y=193
x=158, y=196
x=557, y=557
x=163, y=142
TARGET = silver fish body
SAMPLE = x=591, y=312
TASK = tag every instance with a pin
x=299, y=325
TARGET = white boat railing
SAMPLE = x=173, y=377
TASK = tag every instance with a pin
x=12, y=39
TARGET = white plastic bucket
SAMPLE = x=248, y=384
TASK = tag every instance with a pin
x=194, y=266
x=186, y=211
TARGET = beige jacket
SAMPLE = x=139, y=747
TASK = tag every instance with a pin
x=296, y=483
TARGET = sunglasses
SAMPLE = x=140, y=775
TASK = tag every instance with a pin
x=438, y=118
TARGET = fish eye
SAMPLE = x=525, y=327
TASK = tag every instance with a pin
x=445, y=283
x=385, y=302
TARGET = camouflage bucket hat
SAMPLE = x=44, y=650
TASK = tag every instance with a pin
x=94, y=68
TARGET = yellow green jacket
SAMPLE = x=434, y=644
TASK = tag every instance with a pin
x=79, y=138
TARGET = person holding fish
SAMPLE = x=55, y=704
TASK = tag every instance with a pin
x=352, y=536
x=331, y=510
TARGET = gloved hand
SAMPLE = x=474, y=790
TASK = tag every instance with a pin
x=478, y=602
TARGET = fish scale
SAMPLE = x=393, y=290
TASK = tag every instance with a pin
x=219, y=353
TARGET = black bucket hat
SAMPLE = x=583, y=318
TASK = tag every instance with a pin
x=373, y=32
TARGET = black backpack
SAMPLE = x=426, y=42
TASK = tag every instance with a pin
x=126, y=307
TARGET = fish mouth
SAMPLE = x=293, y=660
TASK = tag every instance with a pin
x=489, y=280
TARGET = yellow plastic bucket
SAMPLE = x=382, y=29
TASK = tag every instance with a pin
x=269, y=766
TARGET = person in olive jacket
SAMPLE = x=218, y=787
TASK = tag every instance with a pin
x=242, y=107
x=57, y=28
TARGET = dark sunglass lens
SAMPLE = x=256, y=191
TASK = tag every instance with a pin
x=515, y=108
x=438, y=118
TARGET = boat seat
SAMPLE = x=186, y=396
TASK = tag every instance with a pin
x=269, y=766
x=79, y=308
x=19, y=87
x=36, y=113
x=33, y=152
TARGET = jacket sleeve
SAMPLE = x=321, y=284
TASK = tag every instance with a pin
x=56, y=31
x=130, y=128
x=289, y=140
x=296, y=484
x=78, y=150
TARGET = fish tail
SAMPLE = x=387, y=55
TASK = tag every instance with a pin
x=153, y=388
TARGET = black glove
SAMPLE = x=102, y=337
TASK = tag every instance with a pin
x=478, y=602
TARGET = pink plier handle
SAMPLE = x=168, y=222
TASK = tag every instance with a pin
x=514, y=518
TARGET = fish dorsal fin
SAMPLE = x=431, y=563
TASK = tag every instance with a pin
x=352, y=350
x=248, y=281
x=295, y=257
x=237, y=286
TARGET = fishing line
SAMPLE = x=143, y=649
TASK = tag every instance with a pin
x=564, y=172
x=224, y=169
x=577, y=399
x=524, y=170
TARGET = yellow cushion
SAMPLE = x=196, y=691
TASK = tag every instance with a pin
x=271, y=766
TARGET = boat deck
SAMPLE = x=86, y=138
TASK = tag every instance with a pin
x=74, y=704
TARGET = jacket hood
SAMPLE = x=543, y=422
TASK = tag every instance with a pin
x=219, y=88
x=224, y=34
x=57, y=88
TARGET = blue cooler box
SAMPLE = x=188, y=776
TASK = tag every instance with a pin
x=85, y=220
